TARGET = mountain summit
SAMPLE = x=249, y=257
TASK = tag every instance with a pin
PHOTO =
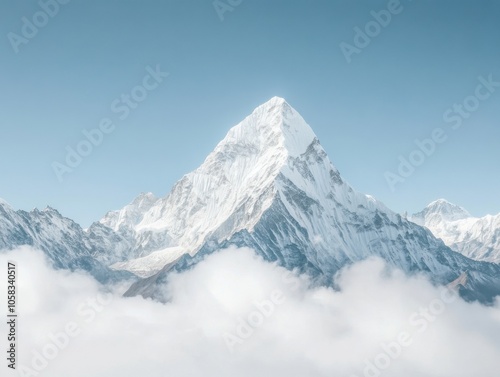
x=274, y=127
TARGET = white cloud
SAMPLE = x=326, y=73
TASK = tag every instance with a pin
x=289, y=329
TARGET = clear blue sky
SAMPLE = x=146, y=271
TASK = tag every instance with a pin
x=366, y=113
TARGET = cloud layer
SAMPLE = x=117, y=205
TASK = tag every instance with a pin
x=236, y=315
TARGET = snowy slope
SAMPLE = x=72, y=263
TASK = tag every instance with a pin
x=270, y=185
x=475, y=237
x=64, y=242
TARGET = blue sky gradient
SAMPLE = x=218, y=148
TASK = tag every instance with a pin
x=366, y=113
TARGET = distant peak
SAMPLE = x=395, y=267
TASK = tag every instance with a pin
x=440, y=202
x=446, y=210
x=444, y=204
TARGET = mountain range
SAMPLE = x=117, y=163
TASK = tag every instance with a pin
x=268, y=185
x=64, y=242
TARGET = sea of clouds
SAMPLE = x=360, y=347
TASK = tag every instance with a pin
x=237, y=315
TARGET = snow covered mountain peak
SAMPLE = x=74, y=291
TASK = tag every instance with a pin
x=272, y=125
x=268, y=184
x=438, y=211
x=445, y=206
x=240, y=179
